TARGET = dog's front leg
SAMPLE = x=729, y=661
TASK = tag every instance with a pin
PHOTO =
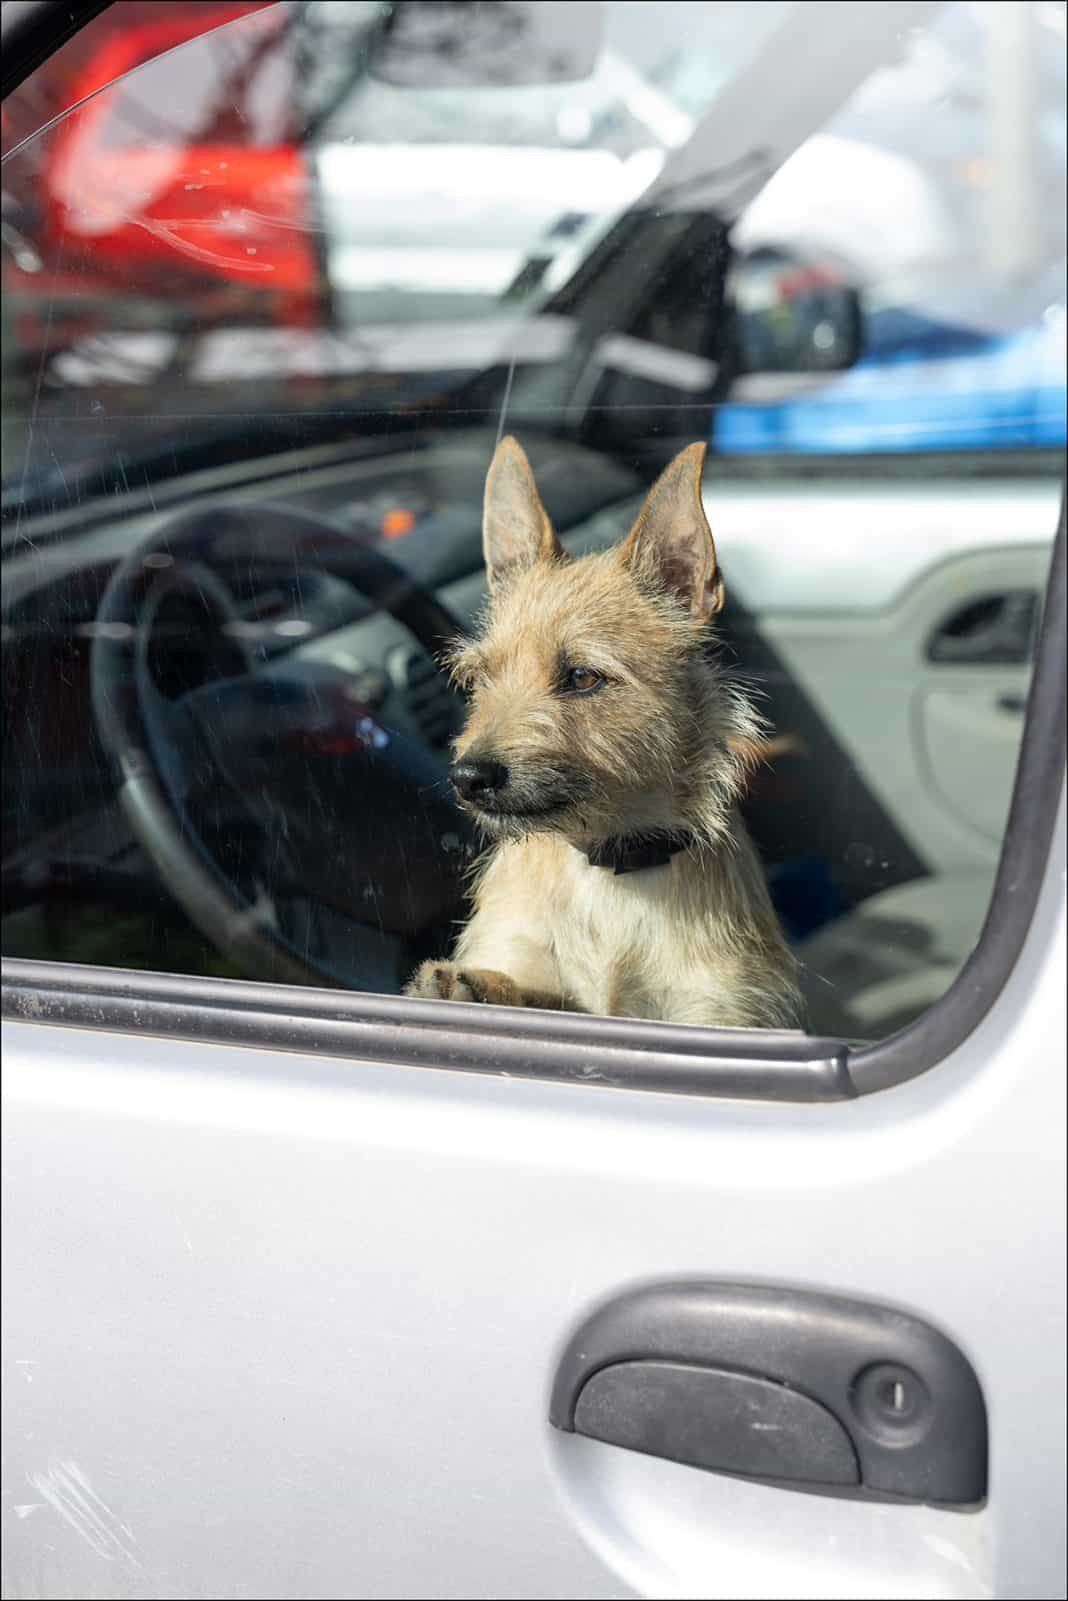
x=504, y=956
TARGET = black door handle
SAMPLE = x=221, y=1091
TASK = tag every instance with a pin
x=780, y=1385
x=994, y=631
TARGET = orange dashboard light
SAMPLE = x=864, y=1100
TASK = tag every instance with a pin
x=397, y=522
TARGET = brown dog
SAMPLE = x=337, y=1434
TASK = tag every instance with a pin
x=603, y=757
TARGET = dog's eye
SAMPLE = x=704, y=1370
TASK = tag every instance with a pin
x=582, y=680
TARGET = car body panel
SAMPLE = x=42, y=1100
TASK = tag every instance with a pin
x=284, y=1325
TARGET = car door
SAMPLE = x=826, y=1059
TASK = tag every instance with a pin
x=899, y=649
x=323, y=1292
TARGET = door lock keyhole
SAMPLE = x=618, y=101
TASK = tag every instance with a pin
x=891, y=1401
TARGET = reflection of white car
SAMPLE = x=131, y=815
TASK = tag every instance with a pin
x=960, y=220
x=955, y=236
x=477, y=214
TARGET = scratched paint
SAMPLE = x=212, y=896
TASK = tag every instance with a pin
x=67, y=1490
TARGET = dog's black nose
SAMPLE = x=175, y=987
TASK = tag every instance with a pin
x=476, y=780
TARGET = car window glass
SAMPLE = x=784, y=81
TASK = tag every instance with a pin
x=269, y=308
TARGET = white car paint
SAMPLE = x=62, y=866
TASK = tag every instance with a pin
x=294, y=1319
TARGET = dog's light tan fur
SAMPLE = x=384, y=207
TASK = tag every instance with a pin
x=657, y=749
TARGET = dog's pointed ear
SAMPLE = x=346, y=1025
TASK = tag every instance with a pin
x=671, y=544
x=516, y=531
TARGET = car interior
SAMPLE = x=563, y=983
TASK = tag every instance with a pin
x=875, y=923
x=226, y=733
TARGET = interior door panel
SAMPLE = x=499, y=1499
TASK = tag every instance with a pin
x=936, y=741
x=968, y=735
x=924, y=697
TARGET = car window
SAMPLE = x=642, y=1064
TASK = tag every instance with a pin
x=281, y=282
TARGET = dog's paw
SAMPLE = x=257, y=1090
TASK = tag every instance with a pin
x=439, y=981
x=444, y=981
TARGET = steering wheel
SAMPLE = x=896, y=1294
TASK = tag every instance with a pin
x=276, y=764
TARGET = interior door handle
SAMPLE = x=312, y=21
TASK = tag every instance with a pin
x=996, y=630
x=780, y=1385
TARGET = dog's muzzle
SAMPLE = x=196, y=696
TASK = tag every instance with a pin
x=479, y=780
x=491, y=789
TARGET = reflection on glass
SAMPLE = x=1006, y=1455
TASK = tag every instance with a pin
x=297, y=254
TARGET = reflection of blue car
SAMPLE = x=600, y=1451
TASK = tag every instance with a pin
x=921, y=386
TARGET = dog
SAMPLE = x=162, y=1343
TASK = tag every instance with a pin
x=603, y=756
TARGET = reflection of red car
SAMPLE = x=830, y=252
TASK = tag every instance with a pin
x=220, y=202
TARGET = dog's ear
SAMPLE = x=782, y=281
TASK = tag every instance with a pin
x=671, y=544
x=516, y=531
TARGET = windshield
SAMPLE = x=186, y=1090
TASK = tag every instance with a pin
x=246, y=237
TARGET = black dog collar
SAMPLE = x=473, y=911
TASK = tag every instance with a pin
x=630, y=853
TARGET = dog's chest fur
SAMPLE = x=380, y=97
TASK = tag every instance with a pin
x=692, y=941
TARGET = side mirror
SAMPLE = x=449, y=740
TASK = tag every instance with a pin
x=792, y=317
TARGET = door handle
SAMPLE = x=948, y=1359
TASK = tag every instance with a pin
x=994, y=631
x=785, y=1386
